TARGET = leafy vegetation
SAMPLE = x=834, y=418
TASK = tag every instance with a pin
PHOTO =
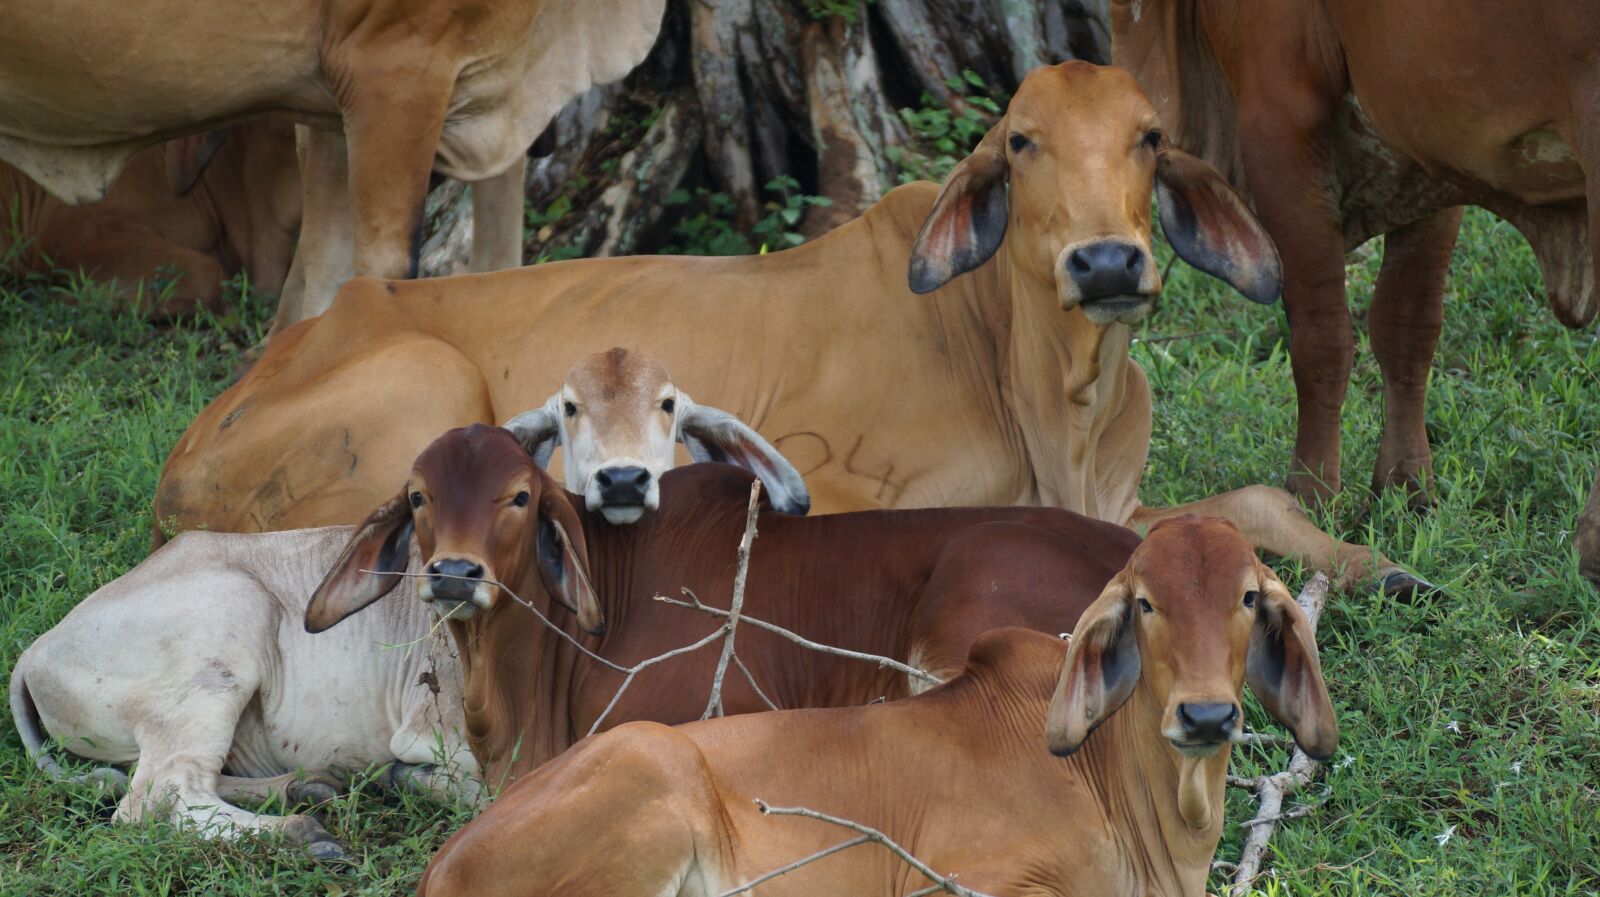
x=940, y=137
x=1470, y=750
x=708, y=230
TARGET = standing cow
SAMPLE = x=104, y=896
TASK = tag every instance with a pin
x=1010, y=383
x=241, y=215
x=1345, y=120
x=390, y=90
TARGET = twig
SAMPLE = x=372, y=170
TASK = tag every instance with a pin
x=944, y=883
x=714, y=703
x=694, y=603
x=1272, y=789
x=750, y=678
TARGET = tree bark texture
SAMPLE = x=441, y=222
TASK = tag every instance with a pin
x=741, y=94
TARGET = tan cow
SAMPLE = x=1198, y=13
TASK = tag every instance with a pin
x=1348, y=119
x=1145, y=709
x=391, y=90
x=1009, y=384
x=241, y=215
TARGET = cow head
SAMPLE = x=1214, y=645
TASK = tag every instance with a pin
x=618, y=416
x=1065, y=181
x=482, y=512
x=1190, y=619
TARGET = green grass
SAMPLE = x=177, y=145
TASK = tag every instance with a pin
x=1476, y=713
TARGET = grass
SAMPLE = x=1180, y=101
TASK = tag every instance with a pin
x=1470, y=754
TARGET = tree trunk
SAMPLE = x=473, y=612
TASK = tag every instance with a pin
x=840, y=99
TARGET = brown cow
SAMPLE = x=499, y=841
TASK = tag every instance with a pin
x=917, y=586
x=1346, y=120
x=241, y=215
x=384, y=90
x=1008, y=385
x=959, y=775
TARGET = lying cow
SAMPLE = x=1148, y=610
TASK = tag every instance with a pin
x=241, y=215
x=916, y=586
x=385, y=91
x=246, y=689
x=1348, y=120
x=960, y=775
x=1010, y=384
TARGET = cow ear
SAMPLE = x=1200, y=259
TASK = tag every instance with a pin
x=968, y=220
x=539, y=430
x=188, y=156
x=1210, y=227
x=1101, y=670
x=381, y=544
x=711, y=434
x=1284, y=671
x=563, y=558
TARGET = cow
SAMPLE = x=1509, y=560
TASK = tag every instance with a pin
x=1141, y=710
x=1320, y=111
x=197, y=660
x=1010, y=384
x=384, y=91
x=503, y=546
x=241, y=215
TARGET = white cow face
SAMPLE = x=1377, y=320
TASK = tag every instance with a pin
x=618, y=416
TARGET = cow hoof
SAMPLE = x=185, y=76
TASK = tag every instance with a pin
x=1400, y=584
x=326, y=851
x=318, y=842
x=314, y=792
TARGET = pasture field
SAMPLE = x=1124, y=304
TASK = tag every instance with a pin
x=1470, y=753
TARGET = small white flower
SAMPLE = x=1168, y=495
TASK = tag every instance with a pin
x=1345, y=762
x=1444, y=838
x=1516, y=767
x=1453, y=726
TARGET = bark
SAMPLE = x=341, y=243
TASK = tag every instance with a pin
x=740, y=92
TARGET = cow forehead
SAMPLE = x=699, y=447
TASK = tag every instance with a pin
x=1075, y=97
x=617, y=374
x=471, y=460
x=1193, y=563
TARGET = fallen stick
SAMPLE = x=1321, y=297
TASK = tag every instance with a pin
x=714, y=703
x=1271, y=790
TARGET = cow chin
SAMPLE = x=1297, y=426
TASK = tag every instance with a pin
x=622, y=515
x=1118, y=310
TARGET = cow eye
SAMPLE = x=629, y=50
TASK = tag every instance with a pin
x=520, y=500
x=416, y=499
x=1152, y=138
x=1019, y=143
x=668, y=405
x=570, y=409
x=1145, y=606
x=1251, y=597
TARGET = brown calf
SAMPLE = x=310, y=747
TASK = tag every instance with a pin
x=917, y=586
x=960, y=775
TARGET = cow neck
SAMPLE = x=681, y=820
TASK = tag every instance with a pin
x=1141, y=796
x=1064, y=379
x=515, y=696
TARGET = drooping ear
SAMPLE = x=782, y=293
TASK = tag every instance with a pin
x=968, y=220
x=381, y=544
x=539, y=430
x=1210, y=227
x=711, y=434
x=1284, y=671
x=1101, y=670
x=563, y=558
x=187, y=157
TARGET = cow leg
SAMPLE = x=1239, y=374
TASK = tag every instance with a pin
x=289, y=788
x=1588, y=537
x=497, y=219
x=324, y=258
x=1407, y=312
x=1272, y=520
x=392, y=122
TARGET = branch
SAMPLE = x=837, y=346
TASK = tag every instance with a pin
x=867, y=834
x=714, y=704
x=1272, y=789
x=694, y=603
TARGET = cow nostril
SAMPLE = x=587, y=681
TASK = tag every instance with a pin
x=1078, y=263
x=455, y=568
x=642, y=478
x=1135, y=263
x=1208, y=720
x=603, y=478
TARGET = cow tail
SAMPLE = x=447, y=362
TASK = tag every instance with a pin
x=25, y=715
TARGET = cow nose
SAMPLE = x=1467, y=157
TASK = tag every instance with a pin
x=1106, y=269
x=453, y=579
x=622, y=485
x=1208, y=722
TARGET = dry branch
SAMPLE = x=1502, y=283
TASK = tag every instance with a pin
x=867, y=834
x=1271, y=790
x=714, y=704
